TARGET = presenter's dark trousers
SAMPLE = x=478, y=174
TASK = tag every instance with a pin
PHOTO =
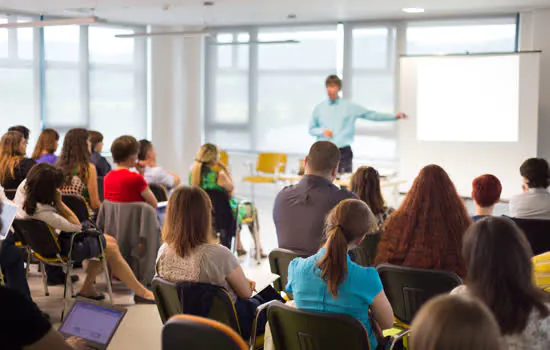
x=346, y=160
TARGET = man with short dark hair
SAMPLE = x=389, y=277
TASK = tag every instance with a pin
x=534, y=202
x=300, y=210
x=334, y=120
x=154, y=173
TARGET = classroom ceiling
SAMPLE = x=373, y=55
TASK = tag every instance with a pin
x=242, y=12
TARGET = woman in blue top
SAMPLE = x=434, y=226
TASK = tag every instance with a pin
x=330, y=282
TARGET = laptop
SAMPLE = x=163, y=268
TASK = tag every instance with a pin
x=9, y=210
x=93, y=322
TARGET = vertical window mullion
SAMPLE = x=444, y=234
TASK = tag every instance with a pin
x=253, y=88
x=84, y=70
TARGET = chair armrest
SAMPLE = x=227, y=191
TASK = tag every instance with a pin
x=259, y=309
x=400, y=335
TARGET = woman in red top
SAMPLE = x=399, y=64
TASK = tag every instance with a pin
x=122, y=185
x=426, y=231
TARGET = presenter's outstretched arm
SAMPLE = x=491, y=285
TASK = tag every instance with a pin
x=363, y=113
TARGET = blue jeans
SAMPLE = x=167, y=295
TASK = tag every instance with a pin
x=12, y=262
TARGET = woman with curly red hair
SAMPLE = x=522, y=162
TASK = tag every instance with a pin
x=426, y=231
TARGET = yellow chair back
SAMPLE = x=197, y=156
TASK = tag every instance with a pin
x=271, y=163
x=224, y=158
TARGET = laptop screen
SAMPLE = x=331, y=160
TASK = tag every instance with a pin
x=91, y=322
x=8, y=214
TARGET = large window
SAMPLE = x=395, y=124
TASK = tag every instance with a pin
x=85, y=78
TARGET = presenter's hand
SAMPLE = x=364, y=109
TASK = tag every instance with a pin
x=401, y=115
x=327, y=133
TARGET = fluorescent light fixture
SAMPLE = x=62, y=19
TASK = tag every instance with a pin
x=187, y=34
x=53, y=22
x=413, y=10
x=222, y=43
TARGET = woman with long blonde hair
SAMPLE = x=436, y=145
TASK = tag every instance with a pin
x=47, y=144
x=213, y=176
x=14, y=166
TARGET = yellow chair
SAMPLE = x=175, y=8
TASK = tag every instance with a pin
x=269, y=166
x=541, y=265
x=224, y=158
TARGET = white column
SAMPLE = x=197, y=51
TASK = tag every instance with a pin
x=534, y=31
x=176, y=99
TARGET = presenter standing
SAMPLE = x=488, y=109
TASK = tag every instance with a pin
x=334, y=120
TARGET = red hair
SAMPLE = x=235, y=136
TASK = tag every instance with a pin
x=486, y=190
x=426, y=231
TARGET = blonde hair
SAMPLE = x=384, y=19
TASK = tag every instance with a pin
x=188, y=222
x=453, y=322
x=10, y=154
x=208, y=155
x=47, y=141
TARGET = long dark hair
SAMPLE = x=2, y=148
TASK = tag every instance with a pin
x=500, y=272
x=75, y=155
x=10, y=154
x=42, y=183
x=365, y=183
x=47, y=141
x=428, y=226
x=347, y=222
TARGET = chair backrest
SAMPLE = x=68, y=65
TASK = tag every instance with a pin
x=224, y=158
x=279, y=259
x=100, y=188
x=160, y=192
x=365, y=253
x=38, y=236
x=294, y=329
x=197, y=333
x=10, y=194
x=537, y=233
x=409, y=288
x=78, y=206
x=166, y=298
x=271, y=163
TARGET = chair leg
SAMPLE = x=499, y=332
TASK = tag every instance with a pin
x=44, y=279
x=237, y=238
x=108, y=279
x=28, y=267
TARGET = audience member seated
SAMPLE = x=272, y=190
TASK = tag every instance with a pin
x=426, y=230
x=330, y=282
x=211, y=174
x=79, y=174
x=486, y=191
x=46, y=147
x=42, y=201
x=24, y=326
x=534, y=202
x=188, y=255
x=300, y=210
x=365, y=183
x=23, y=130
x=123, y=185
x=153, y=173
x=101, y=164
x=450, y=322
x=14, y=167
x=500, y=274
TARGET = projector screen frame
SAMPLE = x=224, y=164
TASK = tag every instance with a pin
x=474, y=54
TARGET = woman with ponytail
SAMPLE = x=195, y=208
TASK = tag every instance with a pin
x=330, y=282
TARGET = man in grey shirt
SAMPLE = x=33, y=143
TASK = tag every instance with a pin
x=534, y=202
x=300, y=210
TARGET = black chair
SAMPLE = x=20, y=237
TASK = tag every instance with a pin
x=365, y=253
x=78, y=206
x=10, y=194
x=100, y=188
x=42, y=240
x=223, y=219
x=279, y=259
x=537, y=233
x=199, y=299
x=199, y=333
x=409, y=288
x=160, y=192
x=294, y=329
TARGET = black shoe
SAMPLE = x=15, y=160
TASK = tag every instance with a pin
x=140, y=300
x=60, y=281
x=99, y=297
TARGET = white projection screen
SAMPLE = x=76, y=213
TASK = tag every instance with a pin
x=471, y=114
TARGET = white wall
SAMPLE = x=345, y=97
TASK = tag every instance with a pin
x=535, y=35
x=176, y=99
